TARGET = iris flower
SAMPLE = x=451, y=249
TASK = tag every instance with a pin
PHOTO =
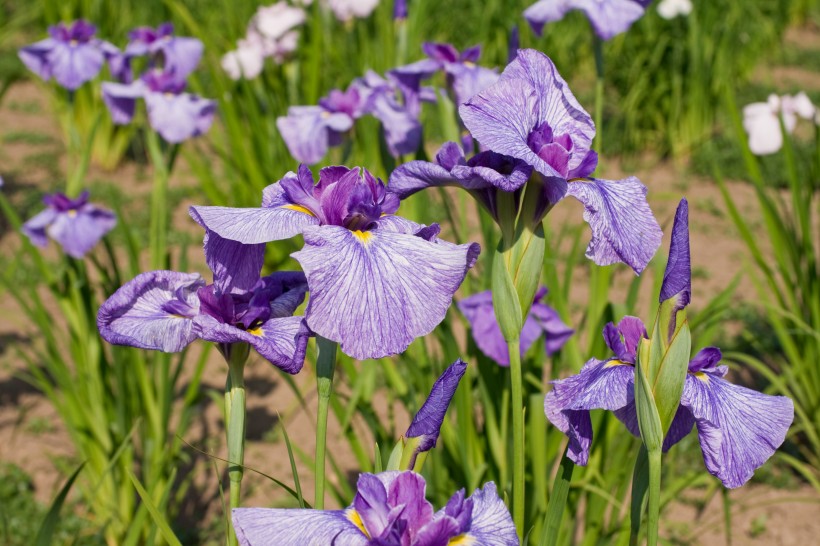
x=738, y=428
x=608, y=17
x=173, y=113
x=669, y=9
x=377, y=281
x=533, y=128
x=71, y=55
x=542, y=321
x=179, y=55
x=389, y=509
x=167, y=310
x=762, y=120
x=75, y=224
x=309, y=131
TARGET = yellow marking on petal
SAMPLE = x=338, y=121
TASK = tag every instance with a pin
x=363, y=236
x=461, y=540
x=325, y=114
x=469, y=64
x=354, y=517
x=616, y=362
x=72, y=213
x=702, y=376
x=298, y=208
x=256, y=332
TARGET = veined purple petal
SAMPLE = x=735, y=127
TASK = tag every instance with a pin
x=738, y=428
x=236, y=266
x=427, y=422
x=376, y=291
x=600, y=385
x=179, y=117
x=623, y=339
x=492, y=523
x=623, y=227
x=677, y=279
x=291, y=527
x=137, y=314
x=78, y=231
x=407, y=489
x=121, y=100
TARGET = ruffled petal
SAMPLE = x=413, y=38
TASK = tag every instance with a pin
x=376, y=291
x=492, y=524
x=138, y=313
x=623, y=227
x=738, y=428
x=295, y=527
x=179, y=117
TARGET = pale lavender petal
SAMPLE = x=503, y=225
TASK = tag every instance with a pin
x=121, y=100
x=182, y=54
x=468, y=80
x=546, y=11
x=427, y=422
x=292, y=527
x=478, y=309
x=306, y=131
x=611, y=17
x=78, y=231
x=179, y=117
x=35, y=228
x=402, y=130
x=492, y=523
x=73, y=65
x=36, y=57
x=375, y=292
x=623, y=227
x=139, y=315
x=255, y=225
x=739, y=429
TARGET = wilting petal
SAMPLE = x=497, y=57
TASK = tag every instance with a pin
x=738, y=428
x=291, y=527
x=600, y=385
x=375, y=292
x=121, y=100
x=179, y=117
x=138, y=313
x=491, y=523
x=77, y=233
x=428, y=420
x=623, y=227
x=35, y=228
x=73, y=65
x=677, y=279
x=36, y=57
x=546, y=11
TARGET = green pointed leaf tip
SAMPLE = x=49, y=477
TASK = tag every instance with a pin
x=394, y=462
x=527, y=262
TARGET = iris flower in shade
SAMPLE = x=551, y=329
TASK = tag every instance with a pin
x=179, y=55
x=427, y=422
x=75, y=224
x=309, y=131
x=174, y=114
x=542, y=321
x=608, y=17
x=71, y=55
x=166, y=310
x=389, y=509
x=738, y=428
x=463, y=74
x=377, y=281
x=762, y=120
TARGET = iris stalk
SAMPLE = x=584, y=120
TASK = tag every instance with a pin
x=518, y=433
x=325, y=366
x=235, y=419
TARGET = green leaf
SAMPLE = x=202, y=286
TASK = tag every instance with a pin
x=159, y=520
x=649, y=421
x=49, y=524
x=558, y=501
x=670, y=373
x=505, y=298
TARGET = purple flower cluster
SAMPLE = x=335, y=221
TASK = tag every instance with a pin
x=389, y=509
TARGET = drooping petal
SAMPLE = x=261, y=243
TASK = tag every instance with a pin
x=546, y=11
x=738, y=428
x=376, y=291
x=179, y=117
x=35, y=227
x=428, y=420
x=611, y=17
x=402, y=130
x=306, y=131
x=491, y=523
x=236, y=266
x=78, y=231
x=36, y=57
x=600, y=385
x=623, y=227
x=547, y=323
x=291, y=527
x=139, y=314
x=121, y=100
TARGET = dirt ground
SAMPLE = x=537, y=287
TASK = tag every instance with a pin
x=32, y=436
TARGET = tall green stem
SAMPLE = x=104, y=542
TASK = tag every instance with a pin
x=513, y=347
x=654, y=503
x=597, y=46
x=235, y=420
x=159, y=202
x=325, y=366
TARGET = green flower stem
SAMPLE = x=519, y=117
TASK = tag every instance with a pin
x=325, y=365
x=159, y=202
x=640, y=483
x=235, y=420
x=654, y=505
x=513, y=347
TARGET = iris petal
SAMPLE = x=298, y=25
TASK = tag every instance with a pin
x=283, y=527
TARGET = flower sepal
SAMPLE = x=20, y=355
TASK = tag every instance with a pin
x=668, y=362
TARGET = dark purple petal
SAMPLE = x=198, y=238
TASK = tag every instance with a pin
x=706, y=360
x=408, y=489
x=121, y=100
x=427, y=422
x=739, y=429
x=236, y=266
x=179, y=117
x=138, y=314
x=623, y=339
x=376, y=291
x=293, y=527
x=623, y=227
x=400, y=9
x=677, y=279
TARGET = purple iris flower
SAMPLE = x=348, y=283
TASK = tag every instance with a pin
x=608, y=17
x=738, y=428
x=180, y=55
x=377, y=281
x=531, y=116
x=464, y=76
x=72, y=55
x=174, y=114
x=400, y=9
x=427, y=422
x=310, y=130
x=542, y=321
x=389, y=509
x=166, y=310
x=75, y=224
